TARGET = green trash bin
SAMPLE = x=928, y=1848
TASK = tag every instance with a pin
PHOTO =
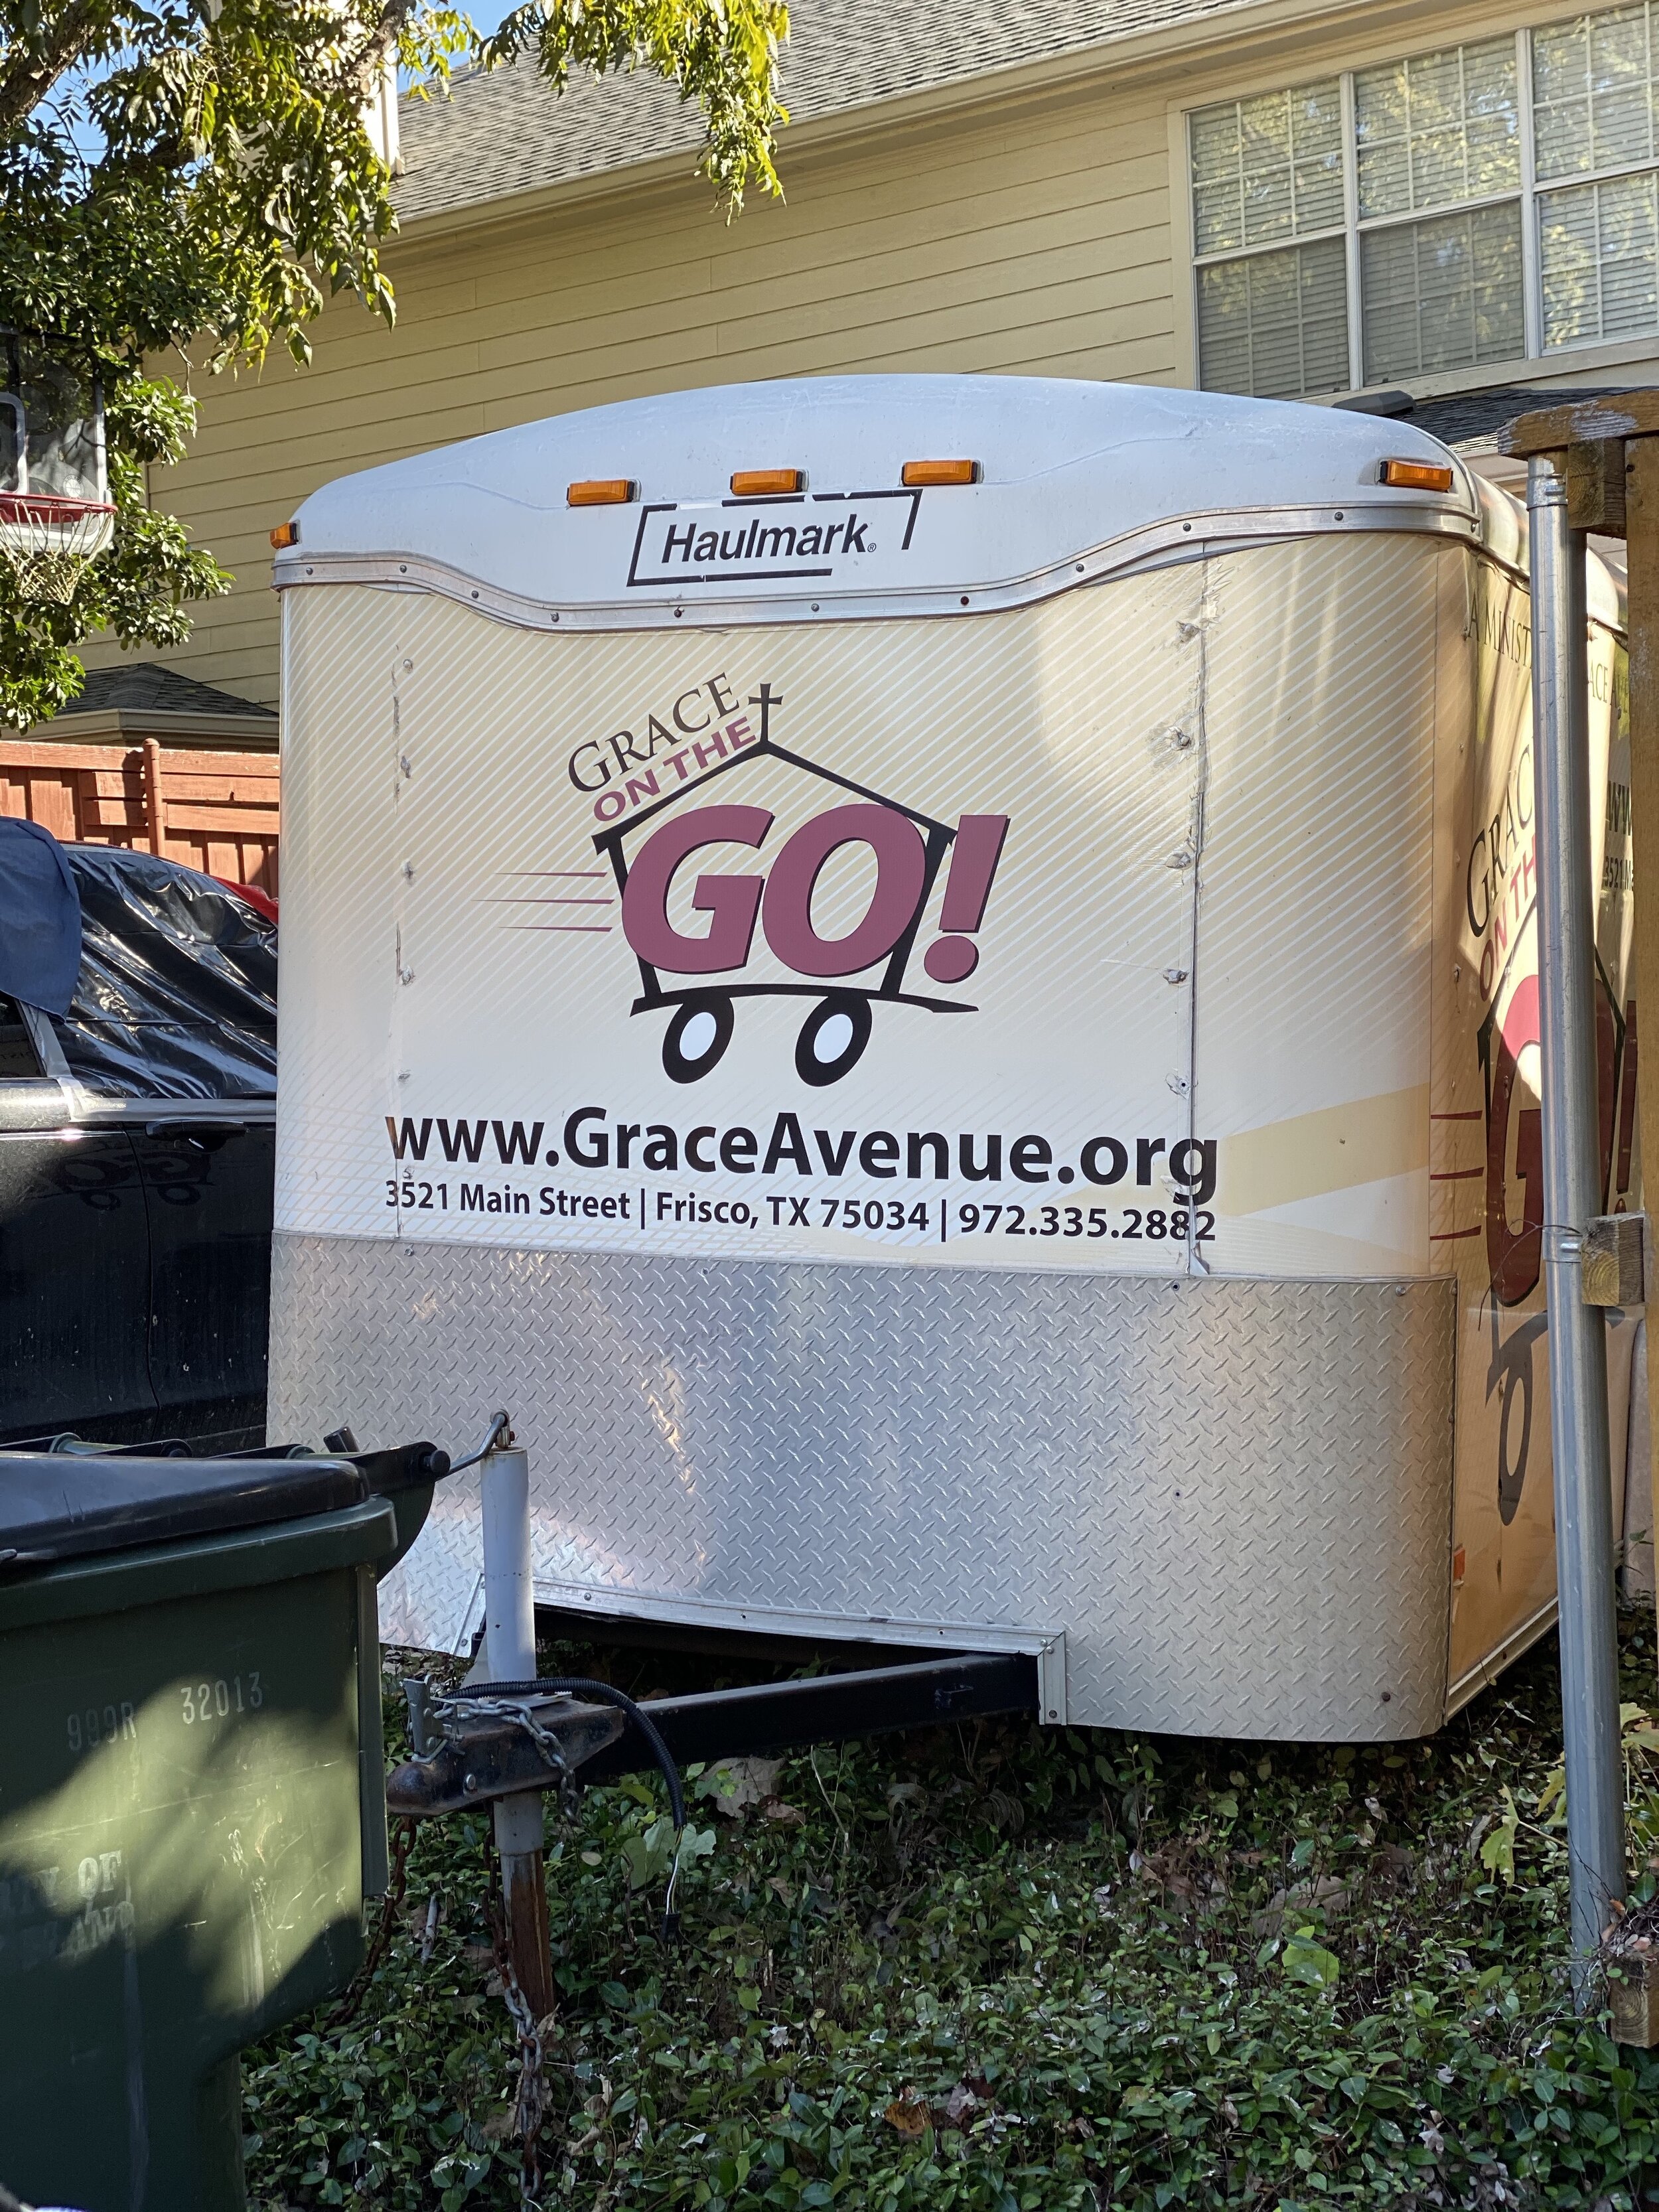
x=191, y=1801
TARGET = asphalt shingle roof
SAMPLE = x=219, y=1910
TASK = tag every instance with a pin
x=145, y=687
x=504, y=133
x=1471, y=420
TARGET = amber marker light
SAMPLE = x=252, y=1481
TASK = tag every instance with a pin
x=284, y=535
x=602, y=491
x=919, y=476
x=760, y=483
x=1417, y=476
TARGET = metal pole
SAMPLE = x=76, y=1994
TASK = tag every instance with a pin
x=510, y=1647
x=1577, y=1344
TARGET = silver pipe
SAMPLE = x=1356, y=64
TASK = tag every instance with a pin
x=510, y=1617
x=1577, y=1342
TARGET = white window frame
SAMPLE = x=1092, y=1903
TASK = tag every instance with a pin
x=1579, y=352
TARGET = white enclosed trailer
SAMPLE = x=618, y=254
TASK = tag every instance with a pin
x=962, y=1053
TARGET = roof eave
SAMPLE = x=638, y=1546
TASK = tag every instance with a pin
x=131, y=726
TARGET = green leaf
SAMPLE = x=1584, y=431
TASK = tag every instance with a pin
x=1497, y=1849
x=1304, y=1961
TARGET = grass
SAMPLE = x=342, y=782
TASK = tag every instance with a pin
x=1009, y=1969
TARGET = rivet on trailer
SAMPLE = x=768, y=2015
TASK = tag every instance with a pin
x=1169, y=1320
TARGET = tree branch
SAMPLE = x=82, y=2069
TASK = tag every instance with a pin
x=35, y=66
x=382, y=45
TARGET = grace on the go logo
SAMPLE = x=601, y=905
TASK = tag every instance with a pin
x=905, y=852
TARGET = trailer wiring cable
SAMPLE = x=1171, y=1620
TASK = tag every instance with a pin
x=605, y=1693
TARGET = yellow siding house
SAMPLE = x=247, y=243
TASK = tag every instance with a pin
x=1447, y=209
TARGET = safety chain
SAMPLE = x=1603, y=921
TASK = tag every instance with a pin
x=445, y=1711
x=530, y=2109
x=403, y=1844
x=448, y=1710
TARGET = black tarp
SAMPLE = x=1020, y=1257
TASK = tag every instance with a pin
x=39, y=918
x=177, y=992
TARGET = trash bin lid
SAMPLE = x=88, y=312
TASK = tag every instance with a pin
x=53, y=1506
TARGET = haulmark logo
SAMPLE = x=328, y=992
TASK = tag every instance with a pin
x=909, y=849
x=746, y=541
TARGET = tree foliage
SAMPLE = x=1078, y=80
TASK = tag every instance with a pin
x=195, y=178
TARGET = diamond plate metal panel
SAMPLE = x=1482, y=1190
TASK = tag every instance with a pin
x=1233, y=1496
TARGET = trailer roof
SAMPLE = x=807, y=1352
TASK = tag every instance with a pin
x=1076, y=480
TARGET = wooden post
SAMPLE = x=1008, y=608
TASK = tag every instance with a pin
x=154, y=817
x=1595, y=486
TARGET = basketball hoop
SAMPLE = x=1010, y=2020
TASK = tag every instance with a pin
x=46, y=541
x=55, y=514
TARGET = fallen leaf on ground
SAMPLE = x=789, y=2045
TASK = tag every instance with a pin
x=907, y=2116
x=735, y=1784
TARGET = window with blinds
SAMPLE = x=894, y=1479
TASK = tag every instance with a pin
x=1270, y=322
x=1593, y=131
x=1476, y=204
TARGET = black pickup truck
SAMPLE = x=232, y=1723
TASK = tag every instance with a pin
x=137, y=1134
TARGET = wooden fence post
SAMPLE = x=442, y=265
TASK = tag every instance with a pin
x=154, y=811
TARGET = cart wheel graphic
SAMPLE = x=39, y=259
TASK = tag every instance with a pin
x=708, y=1019
x=832, y=1038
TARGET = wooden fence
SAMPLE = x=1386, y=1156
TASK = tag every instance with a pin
x=216, y=811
